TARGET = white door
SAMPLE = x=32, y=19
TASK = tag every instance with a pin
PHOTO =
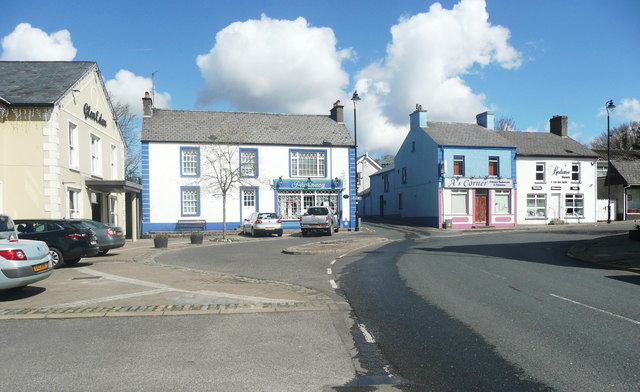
x=555, y=206
x=248, y=202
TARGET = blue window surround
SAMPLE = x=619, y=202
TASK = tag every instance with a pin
x=182, y=189
x=256, y=173
x=182, y=149
x=308, y=150
x=257, y=190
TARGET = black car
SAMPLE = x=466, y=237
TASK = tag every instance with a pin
x=68, y=239
x=109, y=237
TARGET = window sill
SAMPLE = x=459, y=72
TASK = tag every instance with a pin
x=75, y=169
x=537, y=218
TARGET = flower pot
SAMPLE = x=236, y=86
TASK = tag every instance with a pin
x=196, y=238
x=161, y=242
x=634, y=235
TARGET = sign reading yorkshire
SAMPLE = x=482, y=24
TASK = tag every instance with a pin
x=461, y=182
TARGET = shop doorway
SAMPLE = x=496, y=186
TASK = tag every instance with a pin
x=481, y=206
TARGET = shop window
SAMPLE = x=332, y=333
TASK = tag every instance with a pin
x=633, y=201
x=306, y=163
x=458, y=165
x=536, y=205
x=292, y=204
x=502, y=201
x=574, y=206
x=540, y=166
x=249, y=162
x=459, y=201
x=190, y=201
x=575, y=172
x=494, y=166
x=189, y=161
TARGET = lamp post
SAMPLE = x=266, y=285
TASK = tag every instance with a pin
x=609, y=106
x=355, y=98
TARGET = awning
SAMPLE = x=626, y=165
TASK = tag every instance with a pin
x=113, y=186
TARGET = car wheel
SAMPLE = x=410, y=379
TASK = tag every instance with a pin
x=56, y=257
x=279, y=234
x=103, y=252
x=71, y=262
x=253, y=232
x=337, y=229
x=304, y=233
x=330, y=231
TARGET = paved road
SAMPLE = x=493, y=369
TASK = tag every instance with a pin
x=498, y=312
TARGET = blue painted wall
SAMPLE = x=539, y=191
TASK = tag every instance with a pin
x=476, y=160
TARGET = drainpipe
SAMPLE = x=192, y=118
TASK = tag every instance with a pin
x=624, y=206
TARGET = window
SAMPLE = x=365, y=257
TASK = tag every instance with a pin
x=385, y=178
x=306, y=163
x=399, y=201
x=540, y=171
x=96, y=156
x=458, y=165
x=114, y=162
x=602, y=169
x=73, y=146
x=459, y=201
x=536, y=205
x=633, y=201
x=113, y=211
x=502, y=201
x=190, y=201
x=73, y=197
x=249, y=198
x=404, y=175
x=575, y=172
x=574, y=205
x=494, y=166
x=413, y=146
x=249, y=163
x=189, y=161
x=291, y=204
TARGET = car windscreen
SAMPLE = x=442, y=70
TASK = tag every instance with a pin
x=317, y=211
x=267, y=216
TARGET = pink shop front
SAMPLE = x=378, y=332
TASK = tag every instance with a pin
x=466, y=203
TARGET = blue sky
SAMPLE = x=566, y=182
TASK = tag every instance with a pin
x=526, y=59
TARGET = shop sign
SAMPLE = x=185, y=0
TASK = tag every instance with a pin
x=462, y=182
x=307, y=184
x=95, y=116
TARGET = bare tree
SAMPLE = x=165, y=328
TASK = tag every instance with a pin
x=221, y=174
x=506, y=123
x=623, y=137
x=129, y=127
x=385, y=160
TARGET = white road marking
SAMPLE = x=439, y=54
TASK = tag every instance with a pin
x=596, y=309
x=333, y=261
x=367, y=336
x=341, y=256
x=333, y=283
x=329, y=271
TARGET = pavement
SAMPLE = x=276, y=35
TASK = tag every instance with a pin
x=128, y=282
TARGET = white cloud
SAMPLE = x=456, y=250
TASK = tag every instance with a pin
x=427, y=55
x=129, y=88
x=28, y=43
x=629, y=109
x=274, y=66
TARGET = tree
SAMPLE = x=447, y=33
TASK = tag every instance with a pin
x=221, y=174
x=385, y=160
x=506, y=123
x=623, y=137
x=130, y=130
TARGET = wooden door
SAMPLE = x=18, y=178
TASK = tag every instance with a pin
x=481, y=206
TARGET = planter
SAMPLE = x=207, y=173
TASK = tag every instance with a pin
x=161, y=242
x=196, y=238
x=634, y=235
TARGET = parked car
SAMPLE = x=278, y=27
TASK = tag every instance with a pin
x=262, y=223
x=68, y=239
x=109, y=237
x=22, y=262
x=6, y=225
x=319, y=219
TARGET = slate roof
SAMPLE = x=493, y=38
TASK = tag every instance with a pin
x=39, y=82
x=464, y=134
x=626, y=163
x=546, y=144
x=187, y=126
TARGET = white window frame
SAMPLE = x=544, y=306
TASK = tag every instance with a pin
x=460, y=194
x=541, y=171
x=302, y=166
x=575, y=171
x=249, y=197
x=189, y=161
x=540, y=205
x=95, y=148
x=249, y=162
x=73, y=203
x=190, y=199
x=498, y=203
x=574, y=201
x=113, y=210
x=74, y=155
x=114, y=162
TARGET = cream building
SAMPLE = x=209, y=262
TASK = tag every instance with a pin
x=61, y=150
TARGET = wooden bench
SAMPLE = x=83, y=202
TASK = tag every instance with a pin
x=191, y=224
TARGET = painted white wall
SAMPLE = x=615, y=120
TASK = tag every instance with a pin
x=556, y=184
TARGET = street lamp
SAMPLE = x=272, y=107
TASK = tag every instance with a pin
x=355, y=98
x=609, y=106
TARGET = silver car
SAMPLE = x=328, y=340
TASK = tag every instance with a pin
x=22, y=262
x=262, y=223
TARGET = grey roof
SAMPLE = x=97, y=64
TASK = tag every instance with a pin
x=620, y=155
x=464, y=134
x=244, y=128
x=628, y=170
x=546, y=144
x=39, y=82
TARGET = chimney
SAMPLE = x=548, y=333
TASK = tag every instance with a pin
x=558, y=125
x=337, y=112
x=485, y=119
x=418, y=119
x=147, y=105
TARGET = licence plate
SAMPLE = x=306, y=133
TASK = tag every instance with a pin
x=40, y=267
x=314, y=225
x=269, y=228
x=118, y=233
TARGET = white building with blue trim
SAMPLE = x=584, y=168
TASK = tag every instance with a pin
x=288, y=163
